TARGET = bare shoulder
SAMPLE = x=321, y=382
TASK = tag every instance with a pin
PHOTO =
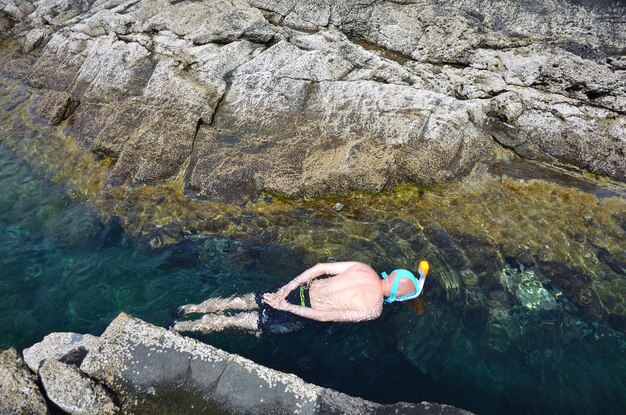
x=363, y=269
x=371, y=295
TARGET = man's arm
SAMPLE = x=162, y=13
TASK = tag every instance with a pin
x=339, y=315
x=332, y=268
x=319, y=315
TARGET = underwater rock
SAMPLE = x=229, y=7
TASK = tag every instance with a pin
x=68, y=348
x=306, y=98
x=19, y=394
x=73, y=391
x=111, y=234
x=499, y=337
x=528, y=289
x=535, y=298
x=15, y=99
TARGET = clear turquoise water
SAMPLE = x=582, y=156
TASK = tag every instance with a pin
x=61, y=269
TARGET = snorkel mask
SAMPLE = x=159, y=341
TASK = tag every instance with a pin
x=402, y=273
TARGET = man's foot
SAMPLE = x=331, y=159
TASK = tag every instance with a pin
x=217, y=322
x=191, y=326
x=207, y=306
x=217, y=305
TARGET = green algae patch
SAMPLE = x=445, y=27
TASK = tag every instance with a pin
x=556, y=223
x=7, y=45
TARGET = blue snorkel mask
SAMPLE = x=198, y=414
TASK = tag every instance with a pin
x=402, y=273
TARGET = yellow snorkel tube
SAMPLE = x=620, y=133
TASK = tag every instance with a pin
x=423, y=268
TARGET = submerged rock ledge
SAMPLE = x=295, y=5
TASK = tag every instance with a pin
x=304, y=98
x=137, y=368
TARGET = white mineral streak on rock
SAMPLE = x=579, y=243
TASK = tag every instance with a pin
x=73, y=391
x=66, y=347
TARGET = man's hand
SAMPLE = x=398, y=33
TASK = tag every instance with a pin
x=269, y=297
x=275, y=300
x=282, y=292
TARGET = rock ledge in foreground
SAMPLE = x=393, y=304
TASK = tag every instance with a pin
x=148, y=367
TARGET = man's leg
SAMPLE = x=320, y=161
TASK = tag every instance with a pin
x=215, y=305
x=218, y=322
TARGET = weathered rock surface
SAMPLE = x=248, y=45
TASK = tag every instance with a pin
x=149, y=367
x=73, y=391
x=19, y=394
x=6, y=24
x=69, y=348
x=303, y=97
x=16, y=10
x=54, y=107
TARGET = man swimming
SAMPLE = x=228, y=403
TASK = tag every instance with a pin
x=353, y=292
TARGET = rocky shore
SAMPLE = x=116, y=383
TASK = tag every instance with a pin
x=305, y=98
x=137, y=368
x=179, y=106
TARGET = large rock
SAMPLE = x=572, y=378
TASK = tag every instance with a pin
x=303, y=97
x=149, y=367
x=144, y=365
x=69, y=348
x=330, y=129
x=19, y=394
x=73, y=391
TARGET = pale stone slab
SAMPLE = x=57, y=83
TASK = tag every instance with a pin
x=65, y=347
x=73, y=391
x=19, y=394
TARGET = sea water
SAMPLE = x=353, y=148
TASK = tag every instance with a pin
x=523, y=310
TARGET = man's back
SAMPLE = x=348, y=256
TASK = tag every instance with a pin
x=357, y=289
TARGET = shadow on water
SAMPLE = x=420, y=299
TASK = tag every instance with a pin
x=523, y=311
